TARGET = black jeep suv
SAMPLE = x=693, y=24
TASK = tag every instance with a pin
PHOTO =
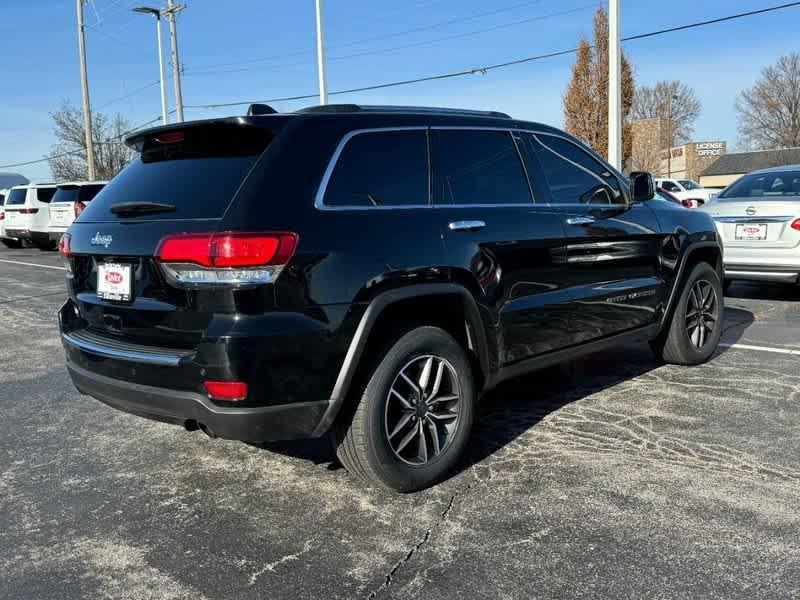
x=369, y=272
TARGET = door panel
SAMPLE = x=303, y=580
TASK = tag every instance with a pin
x=612, y=248
x=518, y=260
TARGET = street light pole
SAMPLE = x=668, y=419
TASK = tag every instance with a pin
x=87, y=111
x=162, y=73
x=323, y=82
x=671, y=135
x=614, y=86
x=172, y=10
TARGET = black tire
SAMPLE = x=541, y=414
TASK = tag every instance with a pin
x=362, y=437
x=47, y=247
x=12, y=243
x=686, y=341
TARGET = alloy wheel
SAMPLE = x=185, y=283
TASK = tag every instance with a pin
x=702, y=313
x=422, y=409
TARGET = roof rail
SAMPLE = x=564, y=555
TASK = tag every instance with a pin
x=350, y=108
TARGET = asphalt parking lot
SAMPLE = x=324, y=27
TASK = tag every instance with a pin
x=609, y=477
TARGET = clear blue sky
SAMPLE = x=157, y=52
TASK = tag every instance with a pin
x=265, y=49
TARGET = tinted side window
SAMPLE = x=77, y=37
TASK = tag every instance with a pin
x=382, y=168
x=574, y=176
x=45, y=194
x=88, y=192
x=477, y=167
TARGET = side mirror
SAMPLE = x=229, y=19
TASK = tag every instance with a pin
x=643, y=187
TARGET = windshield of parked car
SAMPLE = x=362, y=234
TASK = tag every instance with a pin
x=690, y=185
x=16, y=197
x=780, y=184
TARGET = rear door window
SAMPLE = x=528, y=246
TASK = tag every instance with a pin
x=477, y=167
x=16, y=197
x=381, y=168
x=574, y=176
x=198, y=171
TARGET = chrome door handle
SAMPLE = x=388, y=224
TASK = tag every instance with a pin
x=466, y=225
x=580, y=221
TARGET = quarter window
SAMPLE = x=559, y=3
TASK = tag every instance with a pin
x=574, y=176
x=477, y=167
x=384, y=168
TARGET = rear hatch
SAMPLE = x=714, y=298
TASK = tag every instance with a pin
x=182, y=182
x=16, y=209
x=69, y=202
x=760, y=211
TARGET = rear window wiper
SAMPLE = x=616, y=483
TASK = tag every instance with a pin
x=130, y=209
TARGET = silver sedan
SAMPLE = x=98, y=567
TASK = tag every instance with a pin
x=758, y=218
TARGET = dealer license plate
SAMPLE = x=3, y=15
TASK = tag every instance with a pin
x=751, y=232
x=115, y=282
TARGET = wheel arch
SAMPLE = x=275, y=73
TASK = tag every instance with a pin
x=419, y=304
x=702, y=251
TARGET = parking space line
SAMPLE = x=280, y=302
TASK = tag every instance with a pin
x=27, y=264
x=761, y=349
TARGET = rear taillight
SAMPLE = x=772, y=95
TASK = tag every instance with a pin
x=229, y=258
x=795, y=225
x=2, y=216
x=79, y=208
x=230, y=391
x=65, y=250
x=689, y=203
x=28, y=211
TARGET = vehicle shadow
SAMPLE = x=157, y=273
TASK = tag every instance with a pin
x=751, y=290
x=516, y=406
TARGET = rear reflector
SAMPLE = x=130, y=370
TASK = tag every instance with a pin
x=226, y=390
x=795, y=224
x=226, y=257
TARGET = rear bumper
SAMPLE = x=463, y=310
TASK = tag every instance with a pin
x=252, y=424
x=755, y=272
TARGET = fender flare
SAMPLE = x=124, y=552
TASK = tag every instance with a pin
x=673, y=296
x=374, y=310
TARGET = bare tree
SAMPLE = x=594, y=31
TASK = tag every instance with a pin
x=769, y=112
x=586, y=98
x=68, y=156
x=671, y=100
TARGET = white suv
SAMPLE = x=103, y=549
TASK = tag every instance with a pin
x=27, y=215
x=68, y=203
x=690, y=193
x=9, y=242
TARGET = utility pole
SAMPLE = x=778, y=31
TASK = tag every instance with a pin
x=172, y=10
x=87, y=111
x=323, y=82
x=146, y=10
x=614, y=86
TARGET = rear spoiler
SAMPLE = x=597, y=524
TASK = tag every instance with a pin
x=270, y=123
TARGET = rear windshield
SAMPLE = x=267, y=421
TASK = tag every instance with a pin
x=197, y=171
x=769, y=186
x=16, y=197
x=75, y=193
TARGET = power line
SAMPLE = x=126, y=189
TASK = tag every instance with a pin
x=424, y=42
x=487, y=68
x=421, y=29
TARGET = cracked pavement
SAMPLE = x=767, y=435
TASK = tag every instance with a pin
x=607, y=477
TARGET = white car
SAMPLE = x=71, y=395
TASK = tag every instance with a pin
x=27, y=214
x=758, y=217
x=68, y=203
x=9, y=242
x=691, y=193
